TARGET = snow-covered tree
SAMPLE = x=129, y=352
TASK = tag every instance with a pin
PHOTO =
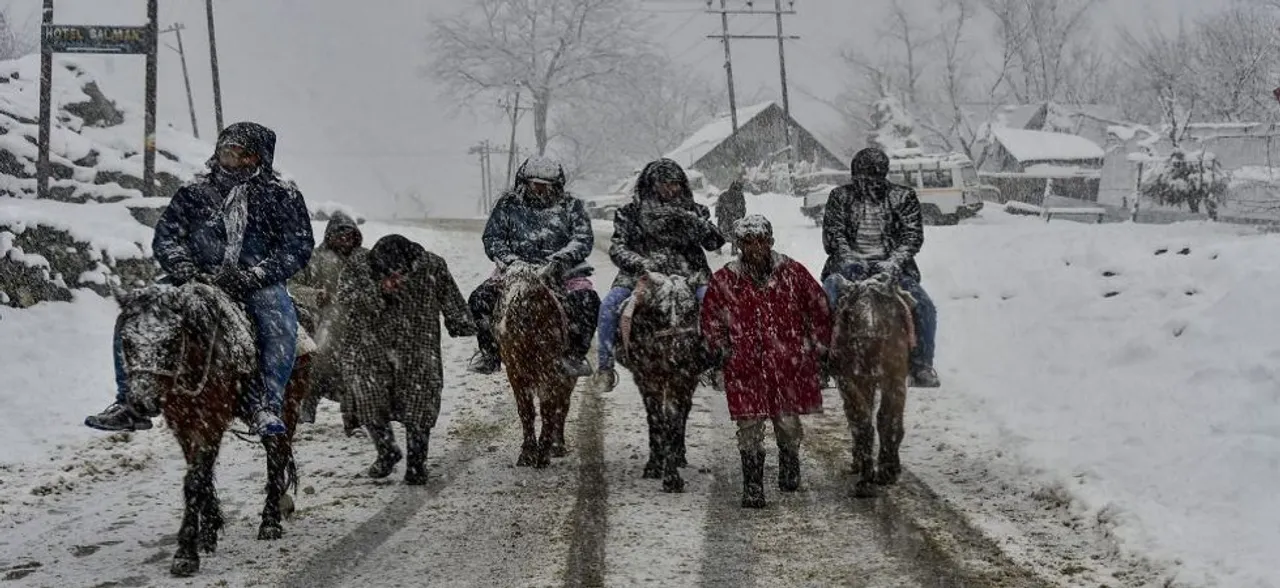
x=895, y=130
x=15, y=42
x=1183, y=179
x=549, y=50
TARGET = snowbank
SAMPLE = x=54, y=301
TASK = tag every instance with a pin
x=1122, y=366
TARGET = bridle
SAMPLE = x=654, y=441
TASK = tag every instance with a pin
x=176, y=374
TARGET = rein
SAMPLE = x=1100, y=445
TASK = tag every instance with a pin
x=177, y=374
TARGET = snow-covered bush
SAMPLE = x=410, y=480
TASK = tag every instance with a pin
x=1185, y=179
x=895, y=130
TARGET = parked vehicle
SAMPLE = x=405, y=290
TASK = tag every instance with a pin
x=947, y=185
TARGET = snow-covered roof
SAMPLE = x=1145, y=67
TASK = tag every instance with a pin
x=713, y=134
x=1044, y=146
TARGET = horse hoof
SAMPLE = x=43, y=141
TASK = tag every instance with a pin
x=270, y=532
x=652, y=470
x=673, y=485
x=885, y=478
x=541, y=462
x=558, y=451
x=865, y=489
x=184, y=567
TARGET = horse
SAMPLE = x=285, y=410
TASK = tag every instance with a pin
x=871, y=343
x=661, y=345
x=188, y=351
x=532, y=331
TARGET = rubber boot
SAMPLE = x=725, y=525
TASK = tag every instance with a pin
x=415, y=469
x=384, y=440
x=788, y=470
x=753, y=479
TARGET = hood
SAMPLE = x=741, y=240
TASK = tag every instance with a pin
x=543, y=168
x=870, y=163
x=253, y=137
x=394, y=253
x=662, y=170
x=340, y=223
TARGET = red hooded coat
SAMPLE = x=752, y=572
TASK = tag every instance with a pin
x=772, y=335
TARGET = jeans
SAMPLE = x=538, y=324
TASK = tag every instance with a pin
x=925, y=312
x=275, y=320
x=611, y=315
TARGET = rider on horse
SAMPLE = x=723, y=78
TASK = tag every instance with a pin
x=661, y=230
x=871, y=228
x=245, y=229
x=537, y=222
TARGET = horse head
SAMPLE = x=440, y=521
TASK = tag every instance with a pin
x=168, y=335
x=871, y=308
x=529, y=306
x=661, y=326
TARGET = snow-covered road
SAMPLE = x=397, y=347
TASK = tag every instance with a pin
x=984, y=502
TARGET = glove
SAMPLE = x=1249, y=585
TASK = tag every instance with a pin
x=183, y=272
x=890, y=270
x=553, y=270
x=239, y=283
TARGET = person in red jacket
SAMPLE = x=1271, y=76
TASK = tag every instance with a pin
x=766, y=318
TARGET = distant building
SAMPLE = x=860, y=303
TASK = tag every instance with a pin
x=717, y=152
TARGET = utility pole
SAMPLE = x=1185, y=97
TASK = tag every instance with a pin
x=728, y=62
x=149, y=119
x=780, y=37
x=177, y=29
x=213, y=63
x=515, y=112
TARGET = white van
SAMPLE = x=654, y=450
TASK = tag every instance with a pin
x=947, y=185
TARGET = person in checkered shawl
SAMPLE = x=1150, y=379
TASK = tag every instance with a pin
x=391, y=302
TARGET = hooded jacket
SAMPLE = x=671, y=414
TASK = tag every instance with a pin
x=670, y=238
x=903, y=233
x=320, y=278
x=524, y=228
x=276, y=237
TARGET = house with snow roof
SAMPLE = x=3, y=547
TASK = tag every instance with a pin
x=717, y=152
x=1030, y=166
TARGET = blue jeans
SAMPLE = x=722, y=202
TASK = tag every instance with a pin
x=610, y=316
x=276, y=322
x=926, y=314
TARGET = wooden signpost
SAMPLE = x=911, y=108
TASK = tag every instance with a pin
x=96, y=39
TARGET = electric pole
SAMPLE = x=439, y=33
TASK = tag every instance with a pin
x=515, y=112
x=780, y=37
x=213, y=63
x=177, y=29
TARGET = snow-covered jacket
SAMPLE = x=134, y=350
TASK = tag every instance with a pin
x=903, y=232
x=521, y=228
x=319, y=280
x=772, y=335
x=668, y=238
x=730, y=206
x=277, y=236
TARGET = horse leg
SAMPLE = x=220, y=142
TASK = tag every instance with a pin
x=558, y=446
x=186, y=560
x=889, y=423
x=549, y=410
x=671, y=480
x=211, y=521
x=282, y=474
x=684, y=404
x=859, y=398
x=653, y=416
x=524, y=405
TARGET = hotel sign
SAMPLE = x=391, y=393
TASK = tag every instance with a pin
x=98, y=39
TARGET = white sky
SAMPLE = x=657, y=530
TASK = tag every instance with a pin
x=338, y=80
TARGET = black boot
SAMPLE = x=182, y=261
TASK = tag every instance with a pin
x=788, y=470
x=384, y=440
x=752, y=479
x=415, y=470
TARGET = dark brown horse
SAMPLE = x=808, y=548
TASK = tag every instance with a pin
x=660, y=344
x=532, y=331
x=189, y=350
x=871, y=342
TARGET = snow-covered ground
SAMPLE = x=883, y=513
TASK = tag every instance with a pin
x=1128, y=370
x=1109, y=381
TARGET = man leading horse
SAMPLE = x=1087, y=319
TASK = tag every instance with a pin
x=245, y=229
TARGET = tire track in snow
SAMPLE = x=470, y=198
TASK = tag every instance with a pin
x=727, y=528
x=586, y=565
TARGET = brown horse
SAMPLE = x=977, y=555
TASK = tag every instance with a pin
x=189, y=350
x=871, y=342
x=660, y=344
x=532, y=331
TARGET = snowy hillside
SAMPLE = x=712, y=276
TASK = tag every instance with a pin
x=93, y=232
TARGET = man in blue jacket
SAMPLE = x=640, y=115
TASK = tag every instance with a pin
x=247, y=230
x=537, y=222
